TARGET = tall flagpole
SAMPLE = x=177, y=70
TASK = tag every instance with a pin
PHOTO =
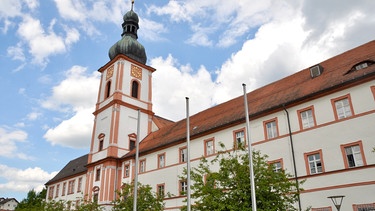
x=188, y=154
x=136, y=163
x=250, y=151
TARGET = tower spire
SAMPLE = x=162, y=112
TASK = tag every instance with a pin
x=132, y=5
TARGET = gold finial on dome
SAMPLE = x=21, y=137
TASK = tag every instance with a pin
x=132, y=4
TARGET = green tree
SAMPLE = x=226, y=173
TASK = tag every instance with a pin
x=228, y=188
x=33, y=201
x=146, y=199
x=36, y=202
x=88, y=206
x=62, y=205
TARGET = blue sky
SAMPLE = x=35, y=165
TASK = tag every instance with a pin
x=50, y=52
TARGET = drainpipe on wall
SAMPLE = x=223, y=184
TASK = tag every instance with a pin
x=294, y=158
x=116, y=178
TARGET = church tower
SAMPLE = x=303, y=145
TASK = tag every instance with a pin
x=125, y=87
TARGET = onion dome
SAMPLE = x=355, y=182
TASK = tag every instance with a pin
x=128, y=45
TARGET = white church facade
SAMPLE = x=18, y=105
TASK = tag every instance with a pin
x=317, y=125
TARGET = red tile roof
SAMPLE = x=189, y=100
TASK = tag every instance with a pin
x=161, y=122
x=295, y=88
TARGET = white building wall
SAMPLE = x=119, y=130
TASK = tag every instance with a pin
x=9, y=205
x=328, y=135
x=61, y=194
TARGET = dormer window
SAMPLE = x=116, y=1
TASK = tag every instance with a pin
x=361, y=65
x=316, y=71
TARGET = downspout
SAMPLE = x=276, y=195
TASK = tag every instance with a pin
x=116, y=178
x=294, y=159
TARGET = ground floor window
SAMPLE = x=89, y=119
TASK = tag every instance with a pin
x=364, y=207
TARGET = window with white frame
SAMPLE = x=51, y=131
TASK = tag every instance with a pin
x=127, y=170
x=183, y=187
x=240, y=138
x=57, y=190
x=142, y=166
x=277, y=166
x=63, y=189
x=50, y=193
x=71, y=186
x=183, y=154
x=79, y=188
x=354, y=156
x=271, y=129
x=160, y=189
x=209, y=147
x=307, y=118
x=315, y=163
x=161, y=160
x=343, y=108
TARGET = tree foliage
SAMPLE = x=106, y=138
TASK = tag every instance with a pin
x=36, y=202
x=33, y=201
x=146, y=199
x=228, y=188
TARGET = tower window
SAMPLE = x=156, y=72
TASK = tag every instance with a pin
x=135, y=87
x=101, y=145
x=131, y=144
x=97, y=176
x=108, y=89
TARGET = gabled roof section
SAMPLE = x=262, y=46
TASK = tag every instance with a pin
x=6, y=200
x=293, y=89
x=74, y=167
x=161, y=122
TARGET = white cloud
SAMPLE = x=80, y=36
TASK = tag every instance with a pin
x=43, y=43
x=10, y=8
x=16, y=52
x=71, y=10
x=74, y=132
x=151, y=30
x=177, y=10
x=173, y=82
x=21, y=180
x=219, y=21
x=8, y=142
x=45, y=79
x=72, y=35
x=200, y=36
x=33, y=115
x=86, y=14
x=32, y=4
x=77, y=91
x=282, y=45
x=75, y=95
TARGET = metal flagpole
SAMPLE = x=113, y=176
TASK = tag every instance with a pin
x=250, y=151
x=188, y=154
x=136, y=163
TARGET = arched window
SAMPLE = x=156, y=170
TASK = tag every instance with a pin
x=101, y=141
x=135, y=87
x=108, y=89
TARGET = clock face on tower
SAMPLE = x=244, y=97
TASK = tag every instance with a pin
x=136, y=72
x=109, y=72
